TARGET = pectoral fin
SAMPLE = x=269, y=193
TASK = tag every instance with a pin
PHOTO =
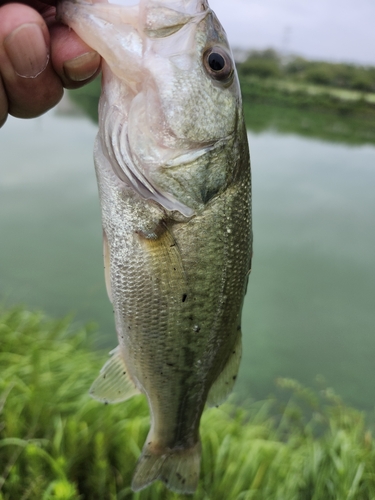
x=224, y=383
x=164, y=257
x=113, y=384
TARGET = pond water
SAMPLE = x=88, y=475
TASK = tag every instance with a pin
x=310, y=308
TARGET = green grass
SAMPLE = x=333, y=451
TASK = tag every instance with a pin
x=289, y=107
x=307, y=96
x=351, y=129
x=270, y=64
x=56, y=443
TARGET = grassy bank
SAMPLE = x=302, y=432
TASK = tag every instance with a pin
x=56, y=443
x=325, y=113
x=268, y=63
x=303, y=96
x=329, y=101
x=353, y=128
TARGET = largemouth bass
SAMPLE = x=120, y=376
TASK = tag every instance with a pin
x=173, y=170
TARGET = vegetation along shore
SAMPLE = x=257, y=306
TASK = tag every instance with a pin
x=319, y=99
x=57, y=443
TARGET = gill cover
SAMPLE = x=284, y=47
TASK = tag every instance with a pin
x=170, y=93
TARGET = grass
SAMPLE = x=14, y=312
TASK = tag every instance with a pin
x=333, y=127
x=270, y=64
x=307, y=96
x=326, y=113
x=56, y=443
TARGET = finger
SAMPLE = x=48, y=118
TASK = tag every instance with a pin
x=74, y=61
x=30, y=83
x=3, y=105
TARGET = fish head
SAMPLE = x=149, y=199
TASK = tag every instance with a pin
x=170, y=91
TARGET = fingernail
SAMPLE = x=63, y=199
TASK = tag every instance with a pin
x=82, y=67
x=27, y=50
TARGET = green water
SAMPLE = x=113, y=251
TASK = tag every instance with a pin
x=310, y=308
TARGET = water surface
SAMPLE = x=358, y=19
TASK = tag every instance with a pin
x=310, y=305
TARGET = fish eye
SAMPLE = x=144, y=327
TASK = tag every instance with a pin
x=216, y=61
x=218, y=64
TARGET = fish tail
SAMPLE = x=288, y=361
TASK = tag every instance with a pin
x=178, y=468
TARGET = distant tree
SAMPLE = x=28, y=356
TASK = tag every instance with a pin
x=264, y=64
x=296, y=66
x=362, y=78
x=269, y=64
x=320, y=73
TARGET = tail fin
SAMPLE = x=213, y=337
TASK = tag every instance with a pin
x=178, y=468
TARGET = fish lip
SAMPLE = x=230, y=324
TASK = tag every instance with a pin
x=139, y=24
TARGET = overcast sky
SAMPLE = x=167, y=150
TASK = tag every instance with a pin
x=338, y=30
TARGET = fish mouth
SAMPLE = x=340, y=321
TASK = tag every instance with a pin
x=122, y=35
x=120, y=32
x=142, y=45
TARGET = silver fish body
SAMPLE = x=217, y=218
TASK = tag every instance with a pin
x=173, y=172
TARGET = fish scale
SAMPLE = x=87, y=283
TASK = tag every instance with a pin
x=173, y=171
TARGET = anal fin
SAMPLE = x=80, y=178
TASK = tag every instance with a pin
x=113, y=384
x=224, y=383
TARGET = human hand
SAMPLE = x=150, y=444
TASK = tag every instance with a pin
x=38, y=57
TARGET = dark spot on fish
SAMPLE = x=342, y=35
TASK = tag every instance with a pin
x=184, y=297
x=183, y=481
x=173, y=245
x=234, y=352
x=105, y=402
x=234, y=377
x=161, y=373
x=149, y=443
x=191, y=317
x=197, y=328
x=170, y=364
x=124, y=373
x=104, y=376
x=238, y=328
x=174, y=269
x=179, y=476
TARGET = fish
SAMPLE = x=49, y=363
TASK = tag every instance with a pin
x=173, y=170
